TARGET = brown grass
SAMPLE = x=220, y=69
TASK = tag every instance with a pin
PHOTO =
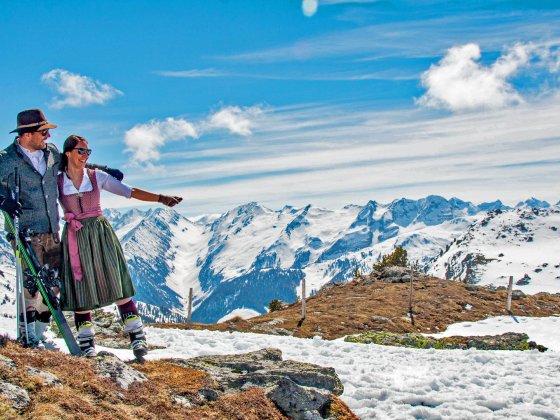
x=355, y=307
x=84, y=395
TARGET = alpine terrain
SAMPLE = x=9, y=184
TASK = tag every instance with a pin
x=237, y=262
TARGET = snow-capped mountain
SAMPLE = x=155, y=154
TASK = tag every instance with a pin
x=523, y=243
x=243, y=259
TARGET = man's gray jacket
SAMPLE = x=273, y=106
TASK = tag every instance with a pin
x=38, y=193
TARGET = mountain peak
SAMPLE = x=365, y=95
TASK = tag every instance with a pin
x=533, y=202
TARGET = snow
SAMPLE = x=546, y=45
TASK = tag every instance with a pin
x=244, y=313
x=399, y=383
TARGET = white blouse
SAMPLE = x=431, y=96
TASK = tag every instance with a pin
x=104, y=182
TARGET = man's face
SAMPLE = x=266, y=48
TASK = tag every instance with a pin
x=36, y=140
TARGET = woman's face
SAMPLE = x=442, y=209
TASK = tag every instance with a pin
x=78, y=156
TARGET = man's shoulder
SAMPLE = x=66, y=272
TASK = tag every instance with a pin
x=7, y=152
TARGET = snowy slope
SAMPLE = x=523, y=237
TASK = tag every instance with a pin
x=523, y=243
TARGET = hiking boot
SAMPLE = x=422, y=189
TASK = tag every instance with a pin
x=41, y=331
x=30, y=340
x=134, y=328
x=85, y=339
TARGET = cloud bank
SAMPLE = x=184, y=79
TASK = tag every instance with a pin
x=76, y=90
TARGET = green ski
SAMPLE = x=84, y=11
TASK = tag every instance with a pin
x=39, y=273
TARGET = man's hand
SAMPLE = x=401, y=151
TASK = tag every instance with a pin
x=115, y=173
x=10, y=206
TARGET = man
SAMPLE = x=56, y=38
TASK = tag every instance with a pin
x=36, y=162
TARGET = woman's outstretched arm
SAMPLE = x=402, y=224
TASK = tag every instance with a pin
x=167, y=200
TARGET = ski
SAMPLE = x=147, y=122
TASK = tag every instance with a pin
x=40, y=275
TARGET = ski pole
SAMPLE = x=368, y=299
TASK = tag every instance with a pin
x=18, y=299
x=19, y=272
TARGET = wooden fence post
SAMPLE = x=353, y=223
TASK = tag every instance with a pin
x=303, y=309
x=510, y=289
x=410, y=308
x=190, y=309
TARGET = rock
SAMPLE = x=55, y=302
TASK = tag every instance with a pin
x=271, y=330
x=110, y=366
x=301, y=390
x=179, y=399
x=517, y=294
x=15, y=394
x=391, y=274
x=6, y=361
x=382, y=319
x=48, y=378
x=524, y=281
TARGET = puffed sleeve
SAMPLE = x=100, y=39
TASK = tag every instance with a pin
x=108, y=183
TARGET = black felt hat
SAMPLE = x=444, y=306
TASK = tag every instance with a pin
x=32, y=120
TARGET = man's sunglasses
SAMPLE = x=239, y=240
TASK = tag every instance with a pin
x=44, y=132
x=82, y=151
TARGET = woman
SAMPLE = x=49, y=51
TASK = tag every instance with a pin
x=94, y=272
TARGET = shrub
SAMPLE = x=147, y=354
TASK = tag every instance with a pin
x=397, y=258
x=275, y=305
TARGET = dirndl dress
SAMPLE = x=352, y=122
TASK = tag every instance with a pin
x=104, y=273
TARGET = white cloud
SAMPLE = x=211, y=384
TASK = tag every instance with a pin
x=144, y=140
x=233, y=118
x=193, y=73
x=76, y=90
x=309, y=7
x=332, y=155
x=460, y=83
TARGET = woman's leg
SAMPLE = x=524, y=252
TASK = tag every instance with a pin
x=84, y=326
x=133, y=326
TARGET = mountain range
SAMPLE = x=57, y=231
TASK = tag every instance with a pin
x=237, y=262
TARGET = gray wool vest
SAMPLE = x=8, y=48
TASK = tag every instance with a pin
x=38, y=193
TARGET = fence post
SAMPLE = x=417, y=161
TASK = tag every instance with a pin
x=410, y=309
x=510, y=289
x=190, y=309
x=303, y=309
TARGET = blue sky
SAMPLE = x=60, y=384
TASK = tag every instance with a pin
x=327, y=102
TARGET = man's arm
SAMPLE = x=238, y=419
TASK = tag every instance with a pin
x=115, y=173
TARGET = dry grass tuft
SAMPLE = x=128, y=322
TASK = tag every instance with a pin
x=177, y=378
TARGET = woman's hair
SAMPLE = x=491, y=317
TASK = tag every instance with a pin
x=69, y=144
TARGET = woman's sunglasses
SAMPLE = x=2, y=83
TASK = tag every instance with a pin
x=82, y=151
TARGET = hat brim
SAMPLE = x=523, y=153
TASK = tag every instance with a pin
x=40, y=127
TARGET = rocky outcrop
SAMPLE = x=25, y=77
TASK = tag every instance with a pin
x=391, y=274
x=507, y=341
x=300, y=390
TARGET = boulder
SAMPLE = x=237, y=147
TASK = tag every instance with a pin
x=16, y=395
x=48, y=378
x=6, y=361
x=300, y=390
x=110, y=366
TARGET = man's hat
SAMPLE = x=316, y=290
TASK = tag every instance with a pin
x=32, y=120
